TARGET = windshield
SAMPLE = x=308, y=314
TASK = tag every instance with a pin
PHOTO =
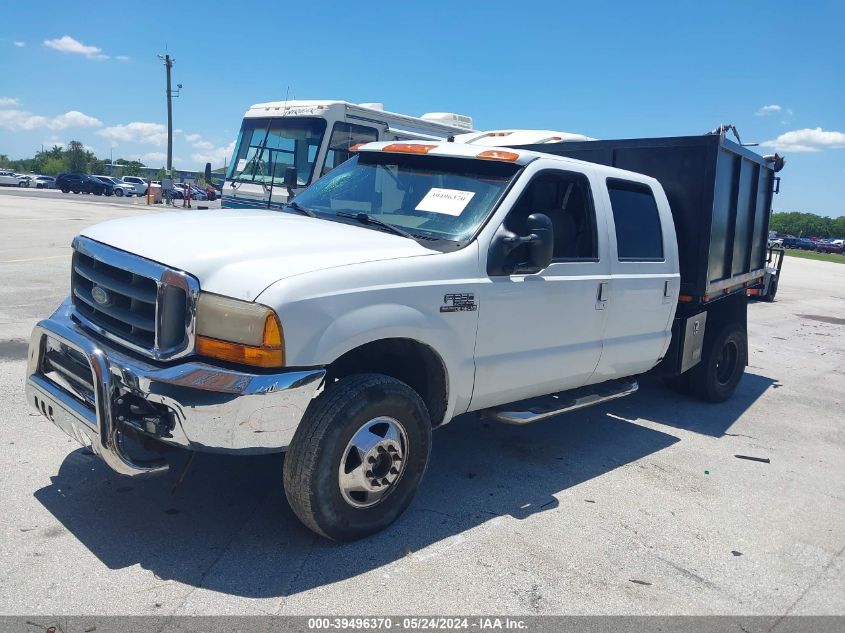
x=267, y=146
x=430, y=196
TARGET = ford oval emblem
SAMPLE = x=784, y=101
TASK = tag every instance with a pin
x=100, y=295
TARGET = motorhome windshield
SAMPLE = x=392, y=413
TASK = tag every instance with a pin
x=267, y=146
x=435, y=197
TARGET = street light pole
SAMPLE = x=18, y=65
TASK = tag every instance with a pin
x=168, y=64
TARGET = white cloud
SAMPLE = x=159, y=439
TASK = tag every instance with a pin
x=19, y=44
x=807, y=140
x=13, y=119
x=66, y=44
x=768, y=109
x=122, y=58
x=154, y=158
x=8, y=101
x=137, y=132
x=215, y=155
x=197, y=141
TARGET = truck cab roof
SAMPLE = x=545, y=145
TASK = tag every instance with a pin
x=520, y=157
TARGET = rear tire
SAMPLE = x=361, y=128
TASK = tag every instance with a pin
x=723, y=362
x=338, y=441
x=65, y=190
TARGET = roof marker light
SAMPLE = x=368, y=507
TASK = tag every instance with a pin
x=497, y=154
x=356, y=147
x=409, y=148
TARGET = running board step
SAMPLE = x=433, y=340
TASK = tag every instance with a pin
x=542, y=407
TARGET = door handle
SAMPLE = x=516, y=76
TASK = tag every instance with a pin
x=601, y=295
x=667, y=291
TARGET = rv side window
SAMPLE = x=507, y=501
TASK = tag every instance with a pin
x=344, y=136
x=638, y=233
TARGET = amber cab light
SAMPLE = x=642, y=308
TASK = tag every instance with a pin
x=409, y=148
x=356, y=147
x=497, y=154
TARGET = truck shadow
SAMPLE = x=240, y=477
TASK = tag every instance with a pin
x=228, y=528
x=659, y=404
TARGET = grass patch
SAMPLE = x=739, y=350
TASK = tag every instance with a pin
x=822, y=257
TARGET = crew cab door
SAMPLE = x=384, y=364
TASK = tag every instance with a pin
x=542, y=333
x=644, y=280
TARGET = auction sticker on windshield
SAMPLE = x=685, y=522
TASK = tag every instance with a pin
x=447, y=201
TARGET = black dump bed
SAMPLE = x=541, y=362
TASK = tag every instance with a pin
x=721, y=198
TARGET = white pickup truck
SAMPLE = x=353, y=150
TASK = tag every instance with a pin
x=415, y=282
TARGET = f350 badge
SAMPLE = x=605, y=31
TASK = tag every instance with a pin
x=459, y=302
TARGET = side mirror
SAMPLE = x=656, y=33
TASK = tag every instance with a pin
x=539, y=242
x=290, y=177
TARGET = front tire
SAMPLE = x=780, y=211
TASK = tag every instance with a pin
x=722, y=365
x=118, y=193
x=358, y=456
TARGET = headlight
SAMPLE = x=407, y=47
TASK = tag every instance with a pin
x=238, y=331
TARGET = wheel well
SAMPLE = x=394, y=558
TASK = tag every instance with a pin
x=412, y=362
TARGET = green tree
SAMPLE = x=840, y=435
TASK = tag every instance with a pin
x=76, y=157
x=52, y=166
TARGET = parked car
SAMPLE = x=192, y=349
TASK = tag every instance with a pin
x=120, y=188
x=801, y=243
x=43, y=182
x=11, y=179
x=833, y=246
x=139, y=183
x=211, y=192
x=80, y=183
x=196, y=192
x=199, y=193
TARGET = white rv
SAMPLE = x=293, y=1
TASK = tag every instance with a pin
x=286, y=145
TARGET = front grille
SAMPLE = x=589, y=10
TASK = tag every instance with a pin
x=133, y=300
x=130, y=310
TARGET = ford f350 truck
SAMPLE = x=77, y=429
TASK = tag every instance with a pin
x=415, y=282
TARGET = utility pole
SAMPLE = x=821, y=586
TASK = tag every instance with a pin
x=168, y=64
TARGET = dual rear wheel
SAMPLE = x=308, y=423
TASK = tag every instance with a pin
x=723, y=360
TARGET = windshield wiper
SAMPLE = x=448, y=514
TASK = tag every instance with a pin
x=365, y=218
x=293, y=204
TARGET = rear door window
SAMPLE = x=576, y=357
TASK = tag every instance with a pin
x=638, y=233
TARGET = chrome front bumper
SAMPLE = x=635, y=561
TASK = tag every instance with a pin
x=205, y=407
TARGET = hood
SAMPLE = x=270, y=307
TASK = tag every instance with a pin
x=240, y=253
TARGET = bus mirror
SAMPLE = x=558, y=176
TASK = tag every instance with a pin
x=208, y=172
x=290, y=177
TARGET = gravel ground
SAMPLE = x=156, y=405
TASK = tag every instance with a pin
x=635, y=507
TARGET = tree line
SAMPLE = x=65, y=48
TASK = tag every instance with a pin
x=800, y=224
x=73, y=158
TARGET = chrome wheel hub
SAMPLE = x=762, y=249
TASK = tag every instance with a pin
x=373, y=462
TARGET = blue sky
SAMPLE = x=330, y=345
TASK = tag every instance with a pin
x=88, y=71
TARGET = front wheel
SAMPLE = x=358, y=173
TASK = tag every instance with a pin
x=723, y=362
x=358, y=456
x=118, y=192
